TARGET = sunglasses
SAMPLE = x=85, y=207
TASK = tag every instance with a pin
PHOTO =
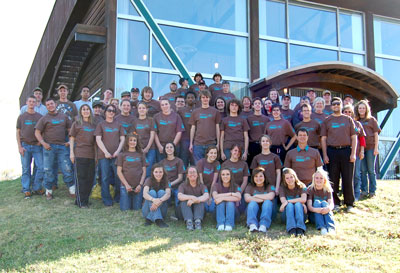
x=335, y=103
x=110, y=111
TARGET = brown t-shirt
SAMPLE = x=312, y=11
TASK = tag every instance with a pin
x=186, y=188
x=97, y=119
x=155, y=185
x=254, y=190
x=54, y=128
x=26, y=123
x=167, y=126
x=287, y=114
x=153, y=107
x=126, y=122
x=257, y=126
x=318, y=117
x=68, y=108
x=185, y=113
x=370, y=127
x=239, y=170
x=208, y=170
x=279, y=130
x=132, y=164
x=314, y=131
x=321, y=195
x=328, y=110
x=143, y=127
x=293, y=193
x=173, y=167
x=226, y=96
x=303, y=162
x=205, y=120
x=219, y=188
x=270, y=162
x=234, y=128
x=110, y=134
x=171, y=99
x=245, y=114
x=85, y=141
x=338, y=130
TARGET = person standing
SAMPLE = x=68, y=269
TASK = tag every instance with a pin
x=246, y=111
x=319, y=114
x=110, y=137
x=216, y=87
x=125, y=117
x=39, y=107
x=64, y=105
x=372, y=130
x=312, y=126
x=153, y=106
x=82, y=154
x=326, y=95
x=29, y=148
x=107, y=96
x=171, y=96
x=85, y=94
x=183, y=82
x=51, y=131
x=134, y=97
x=204, y=130
x=339, y=141
x=286, y=112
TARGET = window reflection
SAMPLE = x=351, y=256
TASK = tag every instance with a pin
x=351, y=31
x=300, y=55
x=126, y=7
x=159, y=59
x=352, y=58
x=387, y=37
x=272, y=57
x=160, y=83
x=272, y=18
x=126, y=79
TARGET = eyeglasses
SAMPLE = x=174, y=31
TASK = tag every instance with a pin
x=335, y=103
x=110, y=111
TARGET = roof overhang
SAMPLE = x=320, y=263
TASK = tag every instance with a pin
x=346, y=78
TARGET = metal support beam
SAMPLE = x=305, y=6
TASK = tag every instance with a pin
x=387, y=116
x=390, y=157
x=160, y=36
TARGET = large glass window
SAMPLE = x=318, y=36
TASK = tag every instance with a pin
x=160, y=83
x=300, y=55
x=125, y=7
x=132, y=43
x=158, y=58
x=351, y=31
x=352, y=58
x=126, y=79
x=224, y=14
x=312, y=25
x=207, y=51
x=272, y=18
x=272, y=57
x=387, y=37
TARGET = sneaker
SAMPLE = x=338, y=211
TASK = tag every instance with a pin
x=72, y=191
x=336, y=208
x=160, y=223
x=292, y=232
x=351, y=209
x=197, y=224
x=189, y=225
x=324, y=231
x=39, y=192
x=228, y=228
x=332, y=231
x=221, y=228
x=28, y=195
x=49, y=195
x=300, y=232
x=253, y=228
x=363, y=195
x=262, y=229
x=148, y=222
x=372, y=195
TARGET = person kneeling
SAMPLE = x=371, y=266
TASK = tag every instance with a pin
x=156, y=193
x=227, y=196
x=260, y=195
x=192, y=195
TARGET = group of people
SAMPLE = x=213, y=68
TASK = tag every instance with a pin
x=194, y=149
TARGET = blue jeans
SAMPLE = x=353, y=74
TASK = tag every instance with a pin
x=151, y=159
x=368, y=168
x=226, y=212
x=293, y=215
x=130, y=200
x=184, y=153
x=227, y=153
x=210, y=208
x=199, y=151
x=174, y=196
x=357, y=178
x=264, y=214
x=32, y=152
x=322, y=220
x=160, y=212
x=59, y=154
x=108, y=171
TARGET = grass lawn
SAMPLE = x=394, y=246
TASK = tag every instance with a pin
x=55, y=236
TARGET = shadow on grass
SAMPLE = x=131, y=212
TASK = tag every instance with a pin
x=37, y=230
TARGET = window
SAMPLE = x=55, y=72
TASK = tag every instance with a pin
x=272, y=57
x=272, y=18
x=300, y=55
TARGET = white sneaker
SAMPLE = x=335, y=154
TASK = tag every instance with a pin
x=221, y=227
x=332, y=231
x=228, y=228
x=324, y=231
x=49, y=191
x=253, y=228
x=72, y=189
x=262, y=228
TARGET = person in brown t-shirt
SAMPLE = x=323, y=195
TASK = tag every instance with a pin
x=172, y=95
x=304, y=160
x=260, y=196
x=246, y=111
x=286, y=112
x=125, y=118
x=64, y=105
x=156, y=193
x=339, y=142
x=131, y=170
x=319, y=115
x=204, y=130
x=215, y=88
x=234, y=130
x=372, y=130
x=279, y=130
x=152, y=105
x=293, y=196
x=168, y=127
x=224, y=92
x=226, y=194
x=220, y=105
x=239, y=168
x=82, y=153
x=110, y=137
x=312, y=126
x=196, y=86
x=192, y=195
x=29, y=149
x=51, y=131
x=320, y=202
